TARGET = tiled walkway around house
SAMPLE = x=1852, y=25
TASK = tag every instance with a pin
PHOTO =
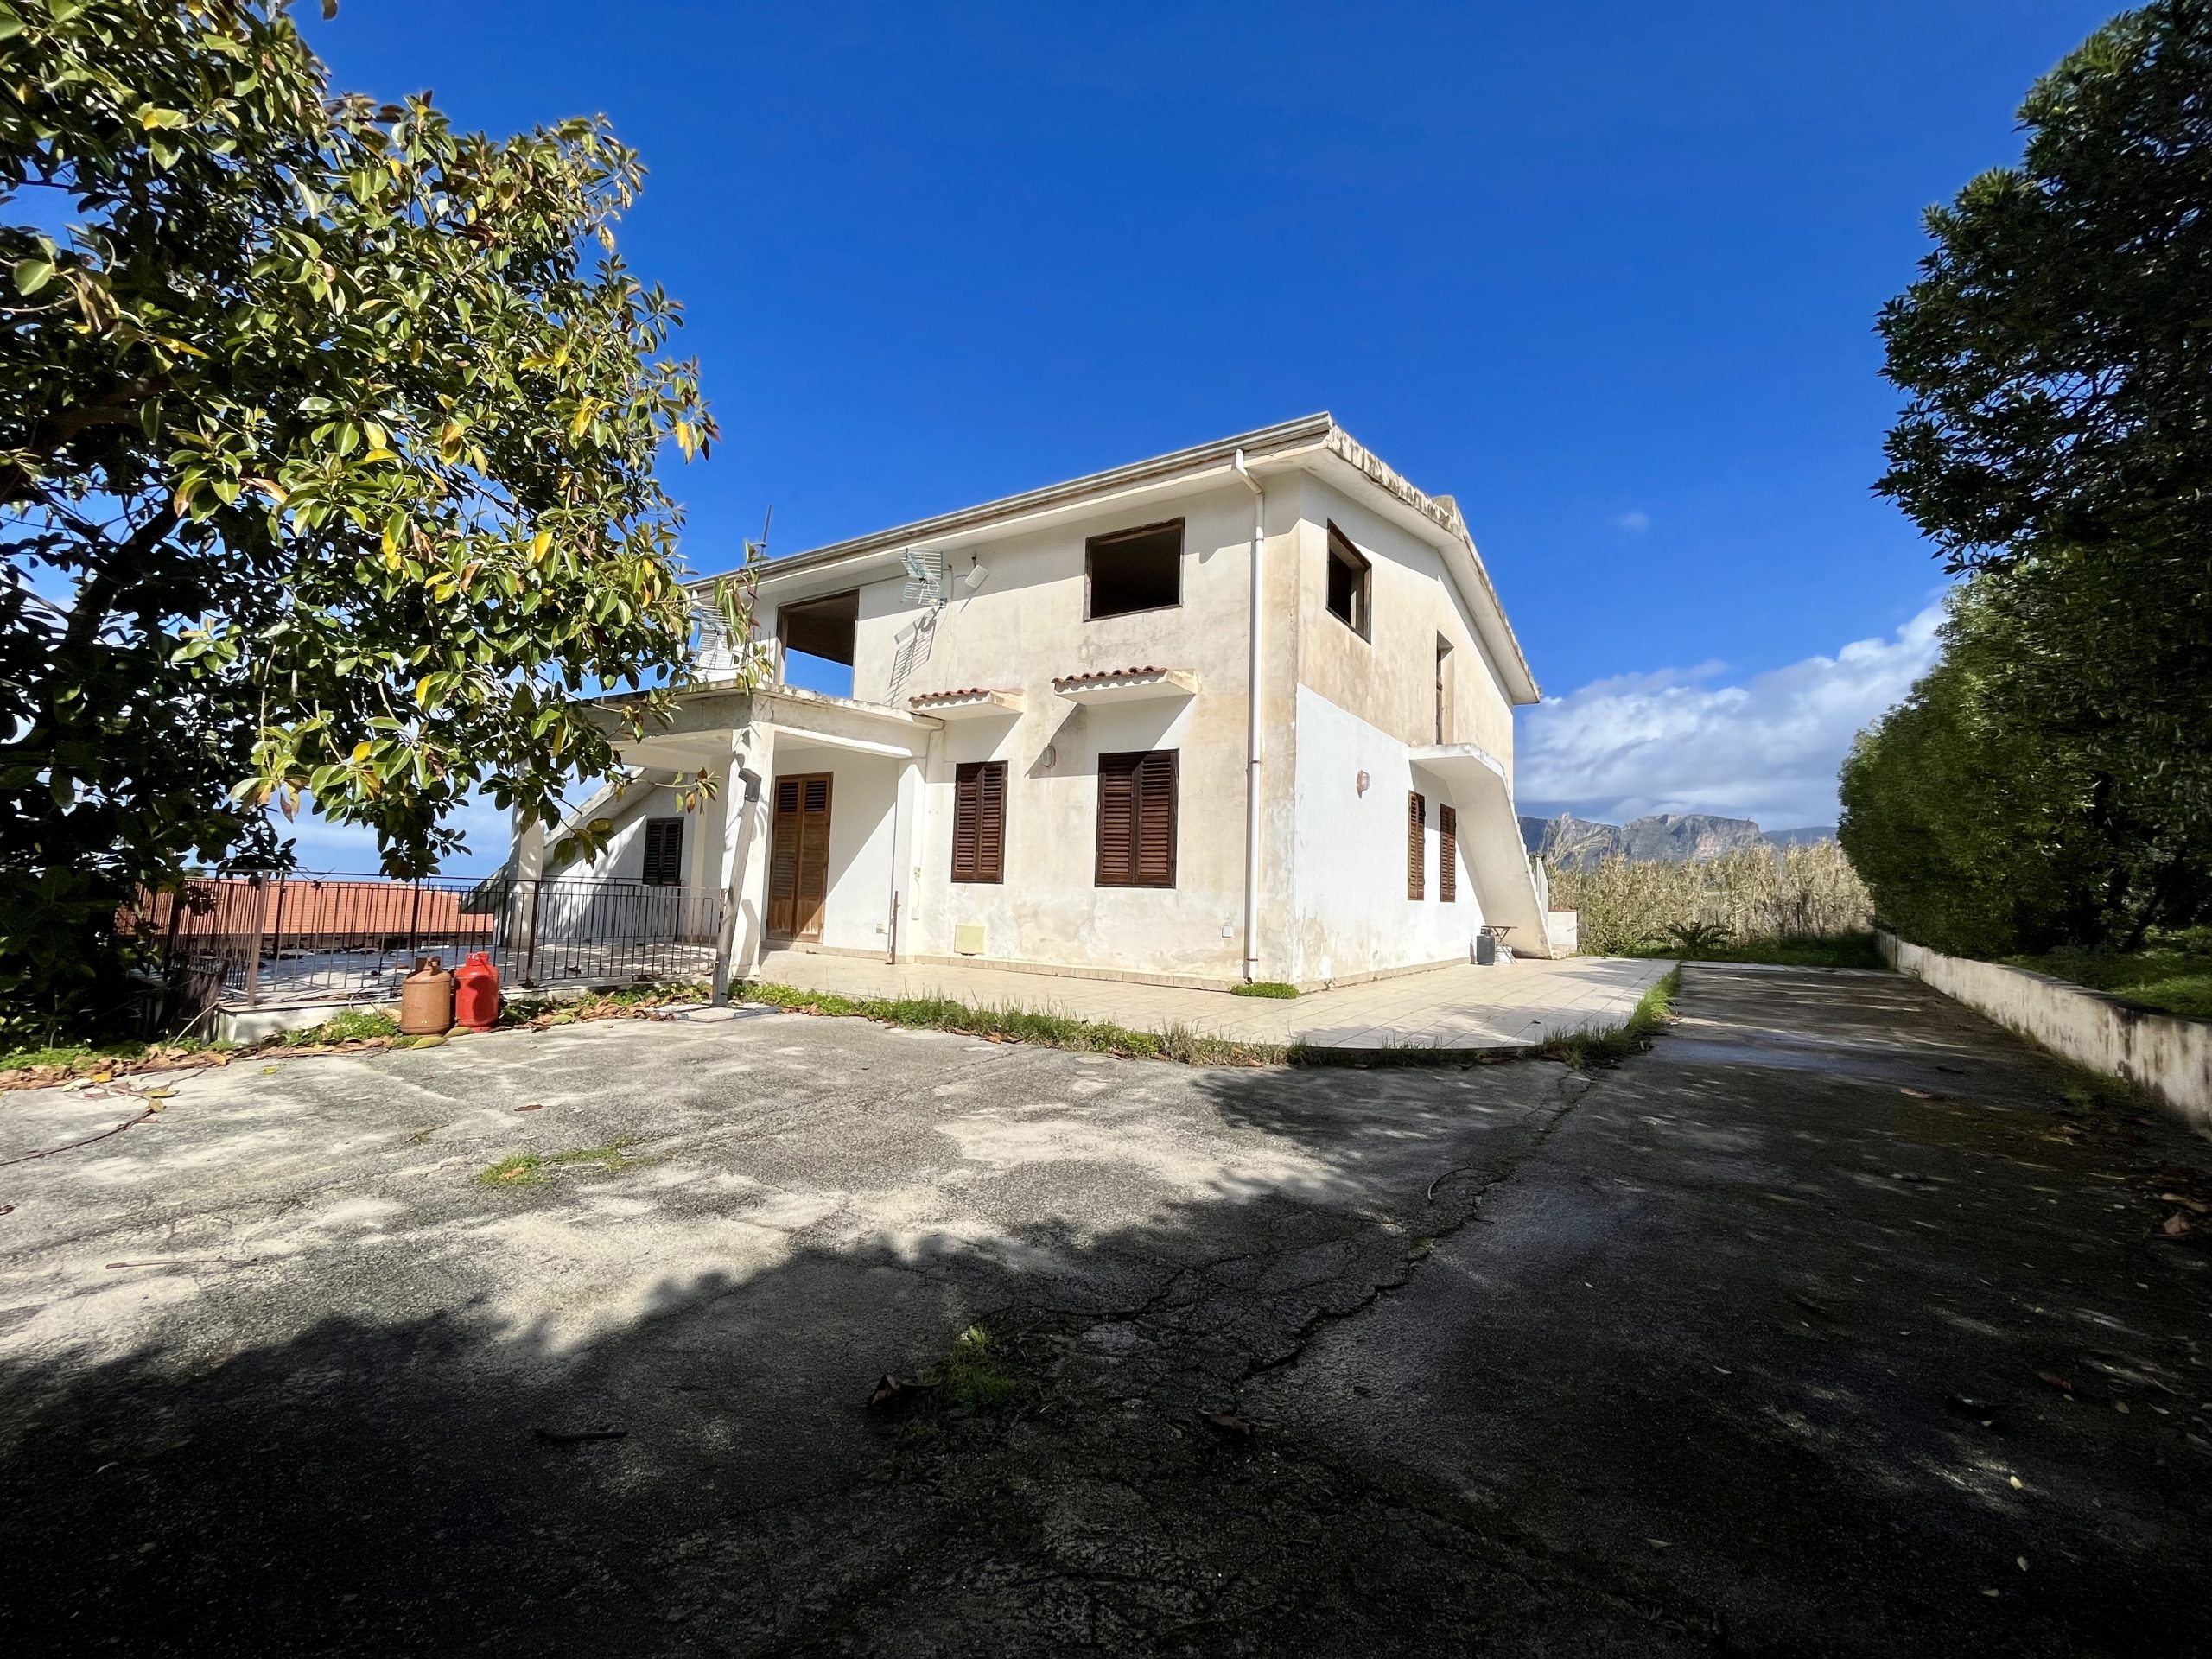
x=1523, y=1003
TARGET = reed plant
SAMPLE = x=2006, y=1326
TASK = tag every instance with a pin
x=1805, y=892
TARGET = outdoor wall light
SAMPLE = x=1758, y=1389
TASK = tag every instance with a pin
x=976, y=575
x=1047, y=760
x=1360, y=783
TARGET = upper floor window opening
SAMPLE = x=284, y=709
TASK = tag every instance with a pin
x=816, y=637
x=1133, y=570
x=1351, y=583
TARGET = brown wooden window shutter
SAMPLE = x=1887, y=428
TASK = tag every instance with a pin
x=1447, y=855
x=1136, y=819
x=979, y=821
x=663, y=861
x=1416, y=846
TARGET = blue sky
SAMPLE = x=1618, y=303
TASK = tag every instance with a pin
x=1607, y=272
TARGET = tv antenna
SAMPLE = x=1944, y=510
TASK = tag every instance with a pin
x=924, y=578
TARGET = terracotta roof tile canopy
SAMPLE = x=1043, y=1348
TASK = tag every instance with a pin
x=971, y=701
x=1127, y=684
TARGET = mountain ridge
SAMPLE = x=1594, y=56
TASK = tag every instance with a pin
x=1657, y=838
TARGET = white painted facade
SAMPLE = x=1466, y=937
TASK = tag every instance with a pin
x=1335, y=708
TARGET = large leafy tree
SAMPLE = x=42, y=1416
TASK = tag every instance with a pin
x=327, y=437
x=1973, y=831
x=2057, y=358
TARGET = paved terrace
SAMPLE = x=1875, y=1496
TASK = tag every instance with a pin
x=1521, y=1003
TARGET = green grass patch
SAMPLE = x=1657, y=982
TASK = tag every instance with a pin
x=352, y=1026
x=76, y=1056
x=96, y=1060
x=1831, y=951
x=2172, y=981
x=529, y=1168
x=1264, y=987
x=976, y=1373
x=1585, y=1049
x=1020, y=1026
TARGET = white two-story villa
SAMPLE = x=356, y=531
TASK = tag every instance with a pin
x=1242, y=712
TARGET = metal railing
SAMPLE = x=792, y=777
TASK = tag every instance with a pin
x=250, y=941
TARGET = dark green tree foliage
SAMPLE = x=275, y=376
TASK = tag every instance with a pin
x=327, y=449
x=1968, y=827
x=2056, y=355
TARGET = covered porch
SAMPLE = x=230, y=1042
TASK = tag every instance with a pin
x=802, y=834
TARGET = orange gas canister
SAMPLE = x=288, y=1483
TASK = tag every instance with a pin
x=476, y=993
x=426, y=1001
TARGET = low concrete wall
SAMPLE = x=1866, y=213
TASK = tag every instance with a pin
x=2164, y=1054
x=258, y=1025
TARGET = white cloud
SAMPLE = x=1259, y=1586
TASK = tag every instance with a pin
x=1673, y=741
x=1636, y=521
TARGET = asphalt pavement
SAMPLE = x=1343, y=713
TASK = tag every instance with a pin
x=1838, y=1322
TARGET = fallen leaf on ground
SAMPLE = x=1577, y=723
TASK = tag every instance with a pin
x=2176, y=1225
x=1917, y=1094
x=890, y=1390
x=2055, y=1380
x=539, y=1107
x=1228, y=1423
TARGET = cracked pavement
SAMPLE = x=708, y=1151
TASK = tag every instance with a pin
x=1801, y=1331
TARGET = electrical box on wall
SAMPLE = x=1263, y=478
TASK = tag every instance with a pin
x=968, y=939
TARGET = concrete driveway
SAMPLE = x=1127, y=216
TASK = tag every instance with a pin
x=1802, y=1330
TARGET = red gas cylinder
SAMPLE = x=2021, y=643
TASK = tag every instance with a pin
x=476, y=993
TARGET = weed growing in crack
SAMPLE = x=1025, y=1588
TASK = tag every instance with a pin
x=529, y=1168
x=975, y=1373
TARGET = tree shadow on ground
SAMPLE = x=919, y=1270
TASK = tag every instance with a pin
x=410, y=1485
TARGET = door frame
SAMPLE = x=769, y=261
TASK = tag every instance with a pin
x=777, y=819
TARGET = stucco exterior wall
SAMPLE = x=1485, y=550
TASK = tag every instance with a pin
x=1388, y=680
x=1023, y=628
x=623, y=858
x=1364, y=701
x=1349, y=853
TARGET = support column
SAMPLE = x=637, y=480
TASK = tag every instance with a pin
x=522, y=899
x=905, y=843
x=746, y=788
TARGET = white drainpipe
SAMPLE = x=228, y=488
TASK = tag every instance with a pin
x=1252, y=726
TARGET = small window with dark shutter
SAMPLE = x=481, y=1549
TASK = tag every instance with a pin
x=979, y=821
x=663, y=853
x=1136, y=819
x=1416, y=846
x=1447, y=855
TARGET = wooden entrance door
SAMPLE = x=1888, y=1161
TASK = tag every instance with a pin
x=799, y=857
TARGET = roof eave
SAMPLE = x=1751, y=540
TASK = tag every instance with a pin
x=1256, y=445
